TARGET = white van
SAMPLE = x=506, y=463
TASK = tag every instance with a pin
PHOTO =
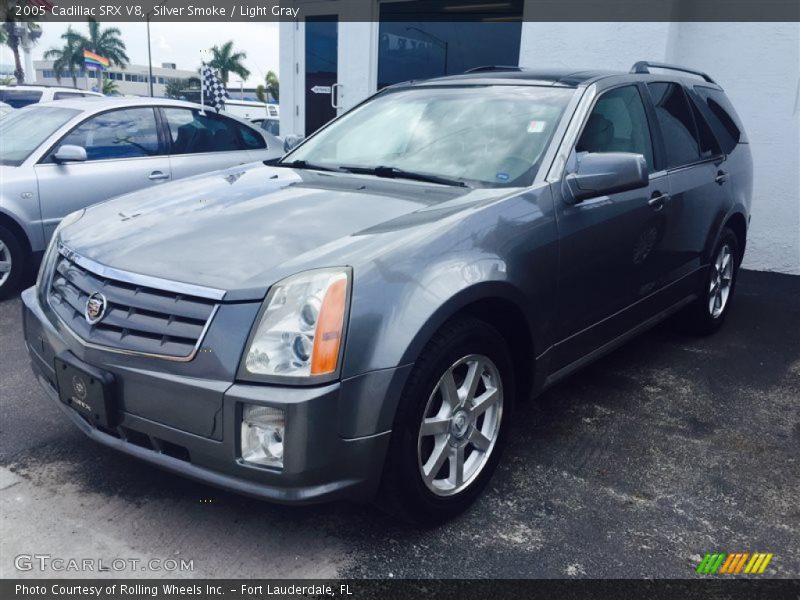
x=19, y=96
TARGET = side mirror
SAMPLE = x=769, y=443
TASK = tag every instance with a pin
x=290, y=141
x=70, y=153
x=604, y=173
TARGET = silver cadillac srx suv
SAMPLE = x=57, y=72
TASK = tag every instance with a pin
x=359, y=318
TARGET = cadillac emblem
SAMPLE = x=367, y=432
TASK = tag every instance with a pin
x=95, y=308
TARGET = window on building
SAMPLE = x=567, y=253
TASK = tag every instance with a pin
x=127, y=133
x=618, y=123
x=677, y=123
x=419, y=50
x=193, y=133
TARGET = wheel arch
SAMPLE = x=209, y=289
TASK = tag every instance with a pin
x=498, y=304
x=738, y=224
x=14, y=227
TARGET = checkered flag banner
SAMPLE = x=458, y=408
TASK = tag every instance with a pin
x=213, y=89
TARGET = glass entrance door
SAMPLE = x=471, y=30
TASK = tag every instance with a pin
x=322, y=59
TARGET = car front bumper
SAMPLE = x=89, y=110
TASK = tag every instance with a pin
x=320, y=463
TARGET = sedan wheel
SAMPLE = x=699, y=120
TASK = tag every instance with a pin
x=721, y=281
x=460, y=425
x=12, y=263
x=6, y=259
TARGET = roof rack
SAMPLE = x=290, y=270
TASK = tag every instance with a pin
x=485, y=68
x=643, y=66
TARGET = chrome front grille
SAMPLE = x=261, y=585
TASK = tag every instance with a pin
x=138, y=319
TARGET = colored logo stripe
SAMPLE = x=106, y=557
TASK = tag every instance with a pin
x=732, y=564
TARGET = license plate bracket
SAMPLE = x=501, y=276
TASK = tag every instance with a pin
x=87, y=390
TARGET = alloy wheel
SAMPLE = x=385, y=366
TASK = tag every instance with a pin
x=460, y=425
x=5, y=263
x=721, y=281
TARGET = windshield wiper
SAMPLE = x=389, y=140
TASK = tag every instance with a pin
x=395, y=173
x=304, y=164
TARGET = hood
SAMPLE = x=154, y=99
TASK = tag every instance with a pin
x=242, y=229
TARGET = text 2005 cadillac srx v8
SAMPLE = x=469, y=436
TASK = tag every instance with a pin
x=358, y=320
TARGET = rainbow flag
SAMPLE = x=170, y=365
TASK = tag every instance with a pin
x=94, y=61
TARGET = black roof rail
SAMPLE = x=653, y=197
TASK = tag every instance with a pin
x=485, y=68
x=643, y=66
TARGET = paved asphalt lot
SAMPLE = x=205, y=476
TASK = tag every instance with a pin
x=669, y=448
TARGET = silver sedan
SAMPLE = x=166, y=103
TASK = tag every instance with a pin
x=58, y=157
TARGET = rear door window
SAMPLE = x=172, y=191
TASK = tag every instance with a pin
x=721, y=117
x=126, y=133
x=193, y=132
x=676, y=122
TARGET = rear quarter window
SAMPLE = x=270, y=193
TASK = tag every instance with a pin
x=721, y=117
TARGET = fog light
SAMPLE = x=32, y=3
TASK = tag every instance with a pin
x=262, y=435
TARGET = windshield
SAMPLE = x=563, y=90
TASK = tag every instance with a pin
x=25, y=130
x=484, y=135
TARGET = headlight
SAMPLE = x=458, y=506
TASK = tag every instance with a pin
x=262, y=435
x=49, y=258
x=301, y=328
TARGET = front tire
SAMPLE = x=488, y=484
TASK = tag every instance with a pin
x=12, y=262
x=451, y=425
x=708, y=312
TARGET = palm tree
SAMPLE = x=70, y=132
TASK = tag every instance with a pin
x=107, y=43
x=110, y=87
x=13, y=32
x=273, y=85
x=226, y=61
x=69, y=58
x=261, y=93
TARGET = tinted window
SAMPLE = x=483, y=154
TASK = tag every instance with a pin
x=719, y=113
x=708, y=143
x=618, y=123
x=20, y=98
x=193, y=132
x=252, y=140
x=677, y=124
x=128, y=133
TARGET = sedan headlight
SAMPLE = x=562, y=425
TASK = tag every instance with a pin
x=49, y=258
x=301, y=328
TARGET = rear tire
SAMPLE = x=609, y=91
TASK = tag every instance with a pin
x=451, y=424
x=13, y=262
x=708, y=312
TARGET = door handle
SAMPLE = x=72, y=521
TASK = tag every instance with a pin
x=657, y=200
x=721, y=177
x=335, y=95
x=158, y=175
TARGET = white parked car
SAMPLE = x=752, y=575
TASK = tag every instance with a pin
x=18, y=96
x=5, y=110
x=59, y=157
